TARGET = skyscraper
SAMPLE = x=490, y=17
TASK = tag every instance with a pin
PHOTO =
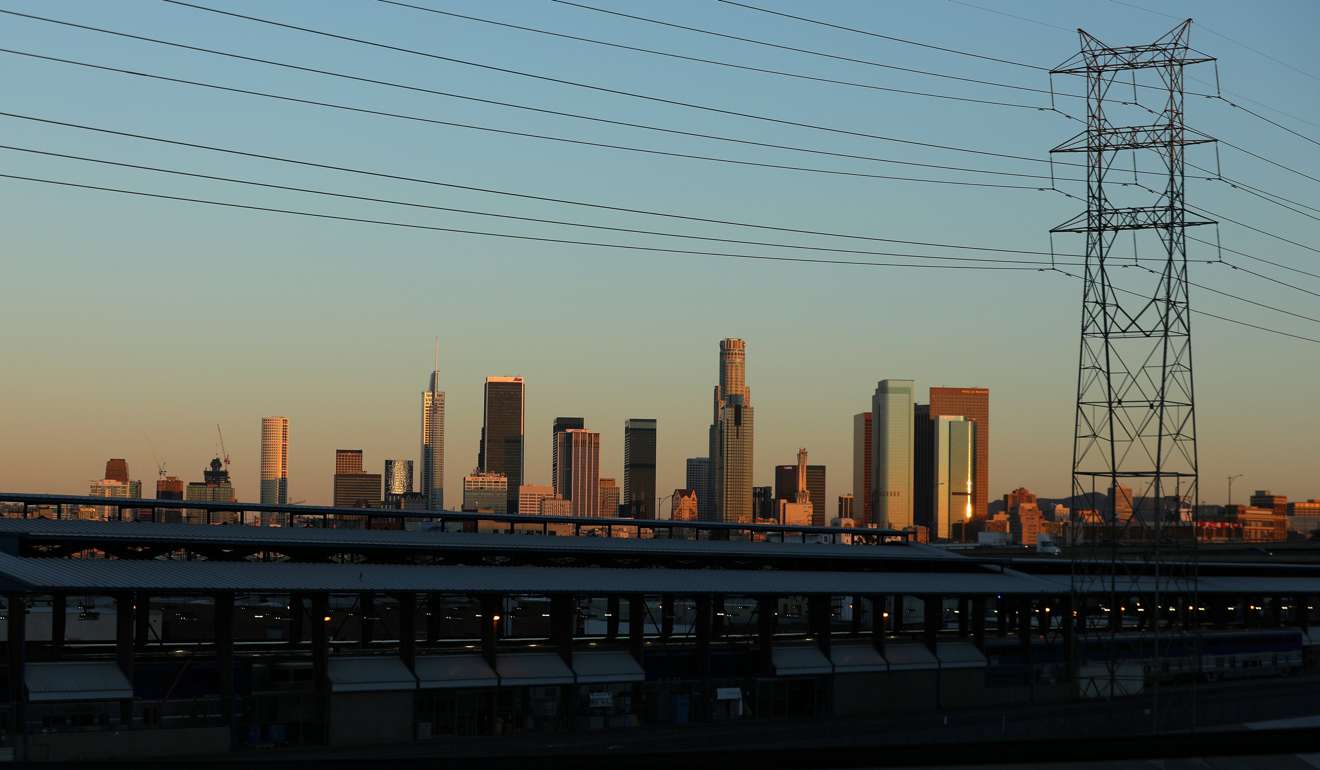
x=348, y=461
x=974, y=404
x=530, y=497
x=924, y=503
x=116, y=469
x=274, y=461
x=891, y=453
x=579, y=470
x=398, y=476
x=861, y=485
x=798, y=511
x=502, y=427
x=764, y=504
x=109, y=487
x=433, y=440
x=786, y=488
x=697, y=479
x=731, y=438
x=609, y=499
x=639, y=467
x=953, y=445
x=561, y=424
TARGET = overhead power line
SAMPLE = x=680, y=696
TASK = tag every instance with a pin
x=541, y=239
x=506, y=131
x=498, y=215
x=762, y=70
x=521, y=195
x=525, y=107
x=604, y=89
x=510, y=236
x=891, y=38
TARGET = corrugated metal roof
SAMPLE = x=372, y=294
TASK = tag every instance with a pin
x=76, y=681
x=165, y=576
x=97, y=532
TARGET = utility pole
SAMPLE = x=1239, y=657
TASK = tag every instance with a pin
x=1230, y=487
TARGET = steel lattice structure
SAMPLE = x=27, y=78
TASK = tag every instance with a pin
x=1134, y=444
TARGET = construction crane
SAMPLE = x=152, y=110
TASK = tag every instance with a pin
x=224, y=454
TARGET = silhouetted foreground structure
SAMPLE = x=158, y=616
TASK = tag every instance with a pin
x=139, y=638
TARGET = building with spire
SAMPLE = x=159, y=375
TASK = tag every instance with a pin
x=731, y=438
x=433, y=440
x=798, y=512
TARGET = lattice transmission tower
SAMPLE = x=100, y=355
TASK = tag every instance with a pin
x=1134, y=443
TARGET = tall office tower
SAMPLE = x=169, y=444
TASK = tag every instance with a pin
x=924, y=502
x=891, y=453
x=786, y=488
x=357, y=490
x=683, y=505
x=953, y=445
x=861, y=485
x=846, y=506
x=639, y=467
x=609, y=500
x=731, y=438
x=274, y=461
x=798, y=511
x=486, y=492
x=116, y=469
x=215, y=486
x=169, y=488
x=561, y=424
x=579, y=470
x=398, y=477
x=530, y=497
x=697, y=479
x=348, y=461
x=764, y=504
x=502, y=427
x=432, y=483
x=974, y=404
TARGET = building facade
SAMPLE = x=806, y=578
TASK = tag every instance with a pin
x=639, y=443
x=432, y=484
x=684, y=505
x=697, y=478
x=1263, y=498
x=275, y=461
x=579, y=471
x=215, y=486
x=348, y=461
x=731, y=438
x=974, y=404
x=486, y=492
x=502, y=428
x=398, y=476
x=924, y=503
x=116, y=469
x=953, y=445
x=891, y=453
x=846, y=507
x=861, y=484
x=560, y=425
x=530, y=497
x=609, y=499
x=1304, y=517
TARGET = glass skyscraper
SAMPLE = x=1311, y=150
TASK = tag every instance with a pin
x=954, y=465
x=433, y=441
x=731, y=438
x=639, y=467
x=891, y=453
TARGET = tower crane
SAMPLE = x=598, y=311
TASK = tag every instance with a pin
x=224, y=454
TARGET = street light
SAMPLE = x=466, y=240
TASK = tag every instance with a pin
x=1230, y=487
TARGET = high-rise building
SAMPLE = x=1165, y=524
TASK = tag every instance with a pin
x=579, y=470
x=214, y=487
x=560, y=425
x=503, y=424
x=556, y=506
x=169, y=488
x=639, y=467
x=609, y=500
x=846, y=506
x=697, y=479
x=786, y=488
x=684, y=505
x=116, y=469
x=731, y=438
x=486, y=492
x=891, y=453
x=861, y=485
x=1019, y=496
x=432, y=483
x=953, y=446
x=530, y=497
x=398, y=476
x=1263, y=498
x=274, y=461
x=765, y=504
x=123, y=490
x=924, y=497
x=348, y=461
x=974, y=404
x=798, y=512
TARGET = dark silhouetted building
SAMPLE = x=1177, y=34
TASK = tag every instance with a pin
x=786, y=489
x=698, y=480
x=862, y=467
x=763, y=503
x=502, y=427
x=639, y=467
x=561, y=424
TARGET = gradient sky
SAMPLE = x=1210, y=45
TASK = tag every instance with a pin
x=131, y=327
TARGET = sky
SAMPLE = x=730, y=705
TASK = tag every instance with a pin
x=131, y=327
